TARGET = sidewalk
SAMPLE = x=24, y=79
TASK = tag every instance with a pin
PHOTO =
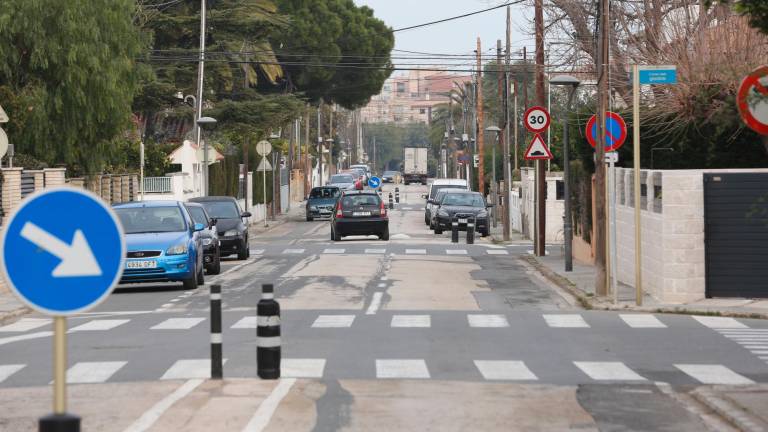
x=742, y=406
x=295, y=213
x=10, y=307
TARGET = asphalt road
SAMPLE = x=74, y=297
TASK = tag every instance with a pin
x=416, y=307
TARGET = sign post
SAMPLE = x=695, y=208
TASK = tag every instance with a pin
x=60, y=263
x=263, y=148
x=537, y=120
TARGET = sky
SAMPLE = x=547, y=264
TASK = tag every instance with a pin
x=453, y=37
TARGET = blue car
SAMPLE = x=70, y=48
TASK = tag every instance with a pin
x=163, y=243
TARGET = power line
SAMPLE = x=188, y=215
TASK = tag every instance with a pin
x=458, y=16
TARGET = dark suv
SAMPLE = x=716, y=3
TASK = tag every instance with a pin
x=233, y=232
x=360, y=213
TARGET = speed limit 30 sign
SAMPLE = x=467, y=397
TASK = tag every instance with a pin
x=536, y=119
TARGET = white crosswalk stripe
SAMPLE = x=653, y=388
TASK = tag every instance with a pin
x=565, y=321
x=422, y=321
x=257, y=251
x=376, y=251
x=505, y=370
x=456, y=251
x=415, y=251
x=402, y=369
x=496, y=252
x=719, y=322
x=302, y=368
x=293, y=251
x=713, y=374
x=25, y=324
x=189, y=369
x=487, y=320
x=93, y=372
x=178, y=324
x=7, y=370
x=99, y=325
x=608, y=371
x=642, y=321
x=333, y=321
x=334, y=251
x=248, y=322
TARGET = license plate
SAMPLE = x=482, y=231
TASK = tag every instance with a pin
x=147, y=264
x=462, y=220
x=361, y=213
x=325, y=211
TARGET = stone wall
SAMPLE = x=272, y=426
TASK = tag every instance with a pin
x=522, y=209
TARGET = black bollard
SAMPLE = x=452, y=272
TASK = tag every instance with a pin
x=391, y=206
x=455, y=230
x=59, y=423
x=268, y=334
x=471, y=231
x=217, y=366
x=397, y=195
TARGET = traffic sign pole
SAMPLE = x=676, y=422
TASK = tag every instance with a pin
x=60, y=365
x=636, y=173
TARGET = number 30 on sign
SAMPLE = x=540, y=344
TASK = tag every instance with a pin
x=536, y=119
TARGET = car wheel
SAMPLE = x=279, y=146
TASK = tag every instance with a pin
x=335, y=236
x=191, y=282
x=247, y=249
x=438, y=231
x=215, y=267
x=385, y=234
x=243, y=254
x=484, y=233
x=310, y=218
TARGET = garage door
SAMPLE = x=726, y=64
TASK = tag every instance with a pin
x=736, y=234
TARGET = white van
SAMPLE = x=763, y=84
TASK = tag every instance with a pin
x=436, y=185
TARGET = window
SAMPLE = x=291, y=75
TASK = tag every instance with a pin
x=360, y=200
x=151, y=219
x=222, y=209
x=198, y=215
x=401, y=87
x=464, y=200
x=422, y=111
x=324, y=192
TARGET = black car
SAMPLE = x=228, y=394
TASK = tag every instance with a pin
x=322, y=202
x=360, y=213
x=462, y=205
x=209, y=237
x=233, y=232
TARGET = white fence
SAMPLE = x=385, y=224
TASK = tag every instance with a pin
x=160, y=185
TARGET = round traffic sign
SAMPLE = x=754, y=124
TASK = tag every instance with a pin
x=61, y=261
x=752, y=100
x=263, y=148
x=536, y=119
x=615, y=131
x=374, y=182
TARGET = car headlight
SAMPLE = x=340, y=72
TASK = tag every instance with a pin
x=177, y=250
x=482, y=214
x=313, y=207
x=442, y=213
x=232, y=233
x=207, y=241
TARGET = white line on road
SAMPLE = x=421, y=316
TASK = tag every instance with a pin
x=257, y=251
x=419, y=321
x=376, y=251
x=153, y=414
x=608, y=371
x=248, y=322
x=178, y=324
x=37, y=335
x=402, y=369
x=642, y=321
x=334, y=251
x=496, y=252
x=93, y=372
x=188, y=369
x=487, y=321
x=456, y=251
x=759, y=352
x=302, y=368
x=504, y=370
x=719, y=322
x=99, y=325
x=233, y=269
x=25, y=324
x=293, y=251
x=375, y=303
x=7, y=370
x=565, y=321
x=750, y=347
x=415, y=251
x=333, y=321
x=268, y=406
x=713, y=374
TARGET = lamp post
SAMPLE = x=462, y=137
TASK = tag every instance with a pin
x=573, y=83
x=494, y=187
x=205, y=124
x=659, y=149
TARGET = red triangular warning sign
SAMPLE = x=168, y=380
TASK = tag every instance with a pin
x=538, y=149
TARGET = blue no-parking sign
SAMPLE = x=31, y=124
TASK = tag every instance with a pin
x=374, y=182
x=63, y=251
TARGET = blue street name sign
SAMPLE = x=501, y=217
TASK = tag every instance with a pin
x=658, y=74
x=374, y=182
x=63, y=251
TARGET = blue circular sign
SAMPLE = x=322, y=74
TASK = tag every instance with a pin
x=374, y=182
x=63, y=251
x=615, y=131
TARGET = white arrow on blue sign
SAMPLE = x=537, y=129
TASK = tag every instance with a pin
x=63, y=251
x=374, y=182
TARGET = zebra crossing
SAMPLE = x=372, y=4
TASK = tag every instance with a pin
x=396, y=250
x=754, y=340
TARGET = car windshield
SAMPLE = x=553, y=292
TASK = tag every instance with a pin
x=437, y=188
x=221, y=209
x=198, y=215
x=390, y=173
x=342, y=178
x=138, y=220
x=324, y=193
x=360, y=200
x=463, y=199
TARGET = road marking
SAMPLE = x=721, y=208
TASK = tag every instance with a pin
x=99, y=325
x=384, y=278
x=233, y=269
x=415, y=251
x=7, y=340
x=713, y=374
x=293, y=251
x=189, y=369
x=268, y=406
x=759, y=352
x=755, y=346
x=334, y=251
x=375, y=251
x=496, y=252
x=93, y=372
x=608, y=371
x=178, y=324
x=25, y=324
x=719, y=322
x=153, y=414
x=421, y=321
x=487, y=321
x=566, y=321
x=257, y=251
x=7, y=370
x=402, y=369
x=642, y=321
x=748, y=338
x=375, y=303
x=382, y=285
x=456, y=251
x=302, y=368
x=406, y=208
x=333, y=321
x=505, y=370
x=248, y=322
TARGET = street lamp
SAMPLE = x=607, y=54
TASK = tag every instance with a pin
x=573, y=83
x=659, y=149
x=205, y=124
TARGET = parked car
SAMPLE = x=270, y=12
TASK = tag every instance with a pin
x=462, y=205
x=322, y=202
x=360, y=213
x=391, y=177
x=209, y=237
x=163, y=243
x=434, y=187
x=342, y=181
x=436, y=204
x=365, y=169
x=233, y=233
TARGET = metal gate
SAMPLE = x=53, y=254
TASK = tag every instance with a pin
x=27, y=183
x=736, y=234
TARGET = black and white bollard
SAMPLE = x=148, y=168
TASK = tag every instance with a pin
x=397, y=195
x=391, y=206
x=217, y=366
x=455, y=230
x=268, y=334
x=471, y=231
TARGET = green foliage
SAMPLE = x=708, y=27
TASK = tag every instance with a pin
x=67, y=77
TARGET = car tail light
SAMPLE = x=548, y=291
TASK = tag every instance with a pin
x=339, y=212
x=382, y=210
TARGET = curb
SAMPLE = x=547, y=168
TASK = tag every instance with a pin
x=727, y=410
x=10, y=315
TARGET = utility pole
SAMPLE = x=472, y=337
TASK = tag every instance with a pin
x=505, y=147
x=601, y=286
x=480, y=127
x=541, y=175
x=319, y=145
x=525, y=95
x=307, y=163
x=500, y=134
x=199, y=107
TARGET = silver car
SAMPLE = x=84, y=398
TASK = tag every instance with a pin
x=342, y=181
